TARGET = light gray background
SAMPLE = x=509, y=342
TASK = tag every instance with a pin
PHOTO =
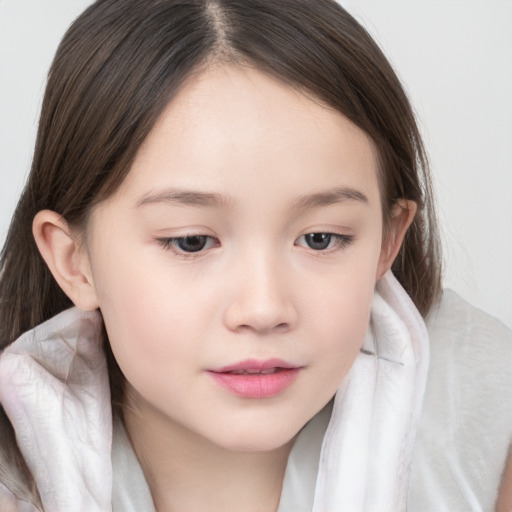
x=455, y=59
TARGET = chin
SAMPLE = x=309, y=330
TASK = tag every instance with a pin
x=257, y=440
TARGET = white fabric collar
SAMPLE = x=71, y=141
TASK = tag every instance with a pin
x=54, y=388
x=367, y=448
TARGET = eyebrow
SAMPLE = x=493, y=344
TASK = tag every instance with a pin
x=328, y=197
x=185, y=197
x=212, y=200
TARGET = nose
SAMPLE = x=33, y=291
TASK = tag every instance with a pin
x=261, y=300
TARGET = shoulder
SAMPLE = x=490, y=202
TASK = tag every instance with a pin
x=471, y=361
x=454, y=320
x=466, y=425
x=469, y=347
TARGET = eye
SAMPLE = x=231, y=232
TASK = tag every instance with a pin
x=188, y=244
x=324, y=241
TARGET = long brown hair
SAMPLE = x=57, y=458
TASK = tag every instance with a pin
x=115, y=70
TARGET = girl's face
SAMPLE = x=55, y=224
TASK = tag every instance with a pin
x=235, y=266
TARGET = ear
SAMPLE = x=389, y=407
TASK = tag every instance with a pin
x=67, y=259
x=402, y=215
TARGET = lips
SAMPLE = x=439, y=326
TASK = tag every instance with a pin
x=256, y=379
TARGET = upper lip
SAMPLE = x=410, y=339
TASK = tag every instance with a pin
x=255, y=365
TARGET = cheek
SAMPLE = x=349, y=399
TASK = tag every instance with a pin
x=145, y=314
x=341, y=312
x=343, y=295
x=343, y=320
x=152, y=344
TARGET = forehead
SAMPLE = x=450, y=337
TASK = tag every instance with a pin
x=232, y=129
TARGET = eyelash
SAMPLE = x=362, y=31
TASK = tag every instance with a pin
x=171, y=243
x=339, y=241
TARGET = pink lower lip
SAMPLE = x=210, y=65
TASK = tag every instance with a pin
x=256, y=385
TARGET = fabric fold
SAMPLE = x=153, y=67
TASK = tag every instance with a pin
x=54, y=388
x=367, y=450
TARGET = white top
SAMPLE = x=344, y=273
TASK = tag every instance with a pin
x=463, y=437
x=465, y=431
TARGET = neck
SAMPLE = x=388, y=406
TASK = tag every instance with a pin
x=186, y=471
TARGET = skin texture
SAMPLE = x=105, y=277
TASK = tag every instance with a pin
x=268, y=158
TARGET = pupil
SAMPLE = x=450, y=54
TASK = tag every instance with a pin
x=192, y=243
x=318, y=241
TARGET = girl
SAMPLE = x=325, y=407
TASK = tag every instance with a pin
x=234, y=197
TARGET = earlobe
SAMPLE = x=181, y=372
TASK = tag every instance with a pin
x=65, y=257
x=402, y=216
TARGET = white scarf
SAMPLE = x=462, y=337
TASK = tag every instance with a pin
x=54, y=388
x=367, y=450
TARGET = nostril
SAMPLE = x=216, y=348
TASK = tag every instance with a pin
x=260, y=309
x=263, y=329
